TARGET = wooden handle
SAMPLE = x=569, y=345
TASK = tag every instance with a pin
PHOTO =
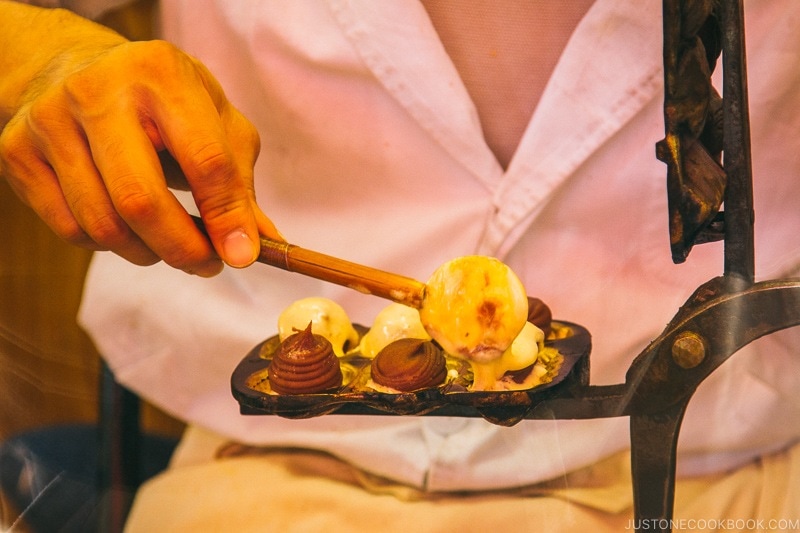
x=364, y=279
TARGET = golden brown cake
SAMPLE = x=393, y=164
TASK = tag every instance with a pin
x=409, y=364
x=305, y=363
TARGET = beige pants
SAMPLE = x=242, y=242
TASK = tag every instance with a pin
x=300, y=491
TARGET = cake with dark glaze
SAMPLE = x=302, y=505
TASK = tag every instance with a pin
x=539, y=315
x=305, y=363
x=409, y=364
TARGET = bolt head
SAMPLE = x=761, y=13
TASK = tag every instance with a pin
x=688, y=349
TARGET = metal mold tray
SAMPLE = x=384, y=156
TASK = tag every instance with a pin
x=499, y=407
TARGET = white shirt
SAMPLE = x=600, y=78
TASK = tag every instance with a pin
x=372, y=151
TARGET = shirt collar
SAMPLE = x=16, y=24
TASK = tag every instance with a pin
x=596, y=88
x=398, y=43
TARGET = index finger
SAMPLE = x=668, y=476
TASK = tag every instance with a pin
x=216, y=149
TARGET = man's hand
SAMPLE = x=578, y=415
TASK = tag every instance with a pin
x=98, y=137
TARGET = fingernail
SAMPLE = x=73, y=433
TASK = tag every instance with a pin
x=238, y=249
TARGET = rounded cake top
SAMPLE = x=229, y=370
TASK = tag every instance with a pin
x=305, y=363
x=409, y=364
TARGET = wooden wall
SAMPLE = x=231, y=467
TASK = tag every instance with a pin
x=49, y=368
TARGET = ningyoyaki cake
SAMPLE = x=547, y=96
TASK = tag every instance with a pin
x=393, y=322
x=305, y=363
x=327, y=318
x=408, y=365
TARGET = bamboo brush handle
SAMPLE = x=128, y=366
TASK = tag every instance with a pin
x=364, y=279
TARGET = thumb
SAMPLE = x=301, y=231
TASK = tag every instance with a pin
x=237, y=247
x=235, y=235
